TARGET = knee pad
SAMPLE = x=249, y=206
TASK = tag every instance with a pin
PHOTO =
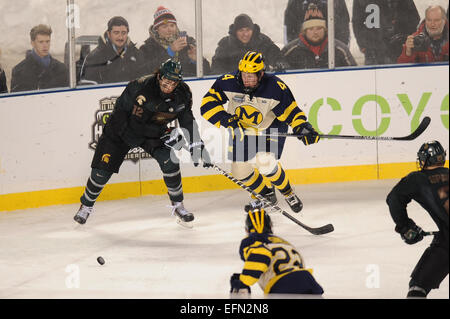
x=241, y=170
x=266, y=163
x=100, y=176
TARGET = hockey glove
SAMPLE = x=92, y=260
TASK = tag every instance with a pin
x=235, y=127
x=199, y=152
x=306, y=133
x=237, y=286
x=410, y=233
x=173, y=138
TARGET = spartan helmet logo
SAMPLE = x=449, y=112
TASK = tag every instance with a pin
x=141, y=100
x=106, y=157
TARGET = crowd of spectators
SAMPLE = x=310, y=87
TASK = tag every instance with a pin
x=386, y=32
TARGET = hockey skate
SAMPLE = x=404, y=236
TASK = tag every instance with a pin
x=294, y=202
x=272, y=197
x=184, y=218
x=83, y=214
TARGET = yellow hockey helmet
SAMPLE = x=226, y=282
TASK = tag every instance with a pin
x=252, y=62
x=258, y=221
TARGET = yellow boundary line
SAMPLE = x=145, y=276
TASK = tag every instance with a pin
x=34, y=199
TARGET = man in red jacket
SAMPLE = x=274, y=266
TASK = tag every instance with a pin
x=430, y=42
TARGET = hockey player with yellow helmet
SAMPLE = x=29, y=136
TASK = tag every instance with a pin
x=257, y=102
x=270, y=261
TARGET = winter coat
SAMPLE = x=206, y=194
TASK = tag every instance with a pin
x=31, y=74
x=302, y=55
x=437, y=50
x=397, y=20
x=104, y=65
x=295, y=14
x=154, y=54
x=230, y=51
x=3, y=86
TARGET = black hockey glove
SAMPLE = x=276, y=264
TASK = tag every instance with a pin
x=237, y=286
x=306, y=133
x=173, y=138
x=235, y=127
x=410, y=233
x=199, y=152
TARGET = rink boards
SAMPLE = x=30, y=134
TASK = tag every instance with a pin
x=48, y=140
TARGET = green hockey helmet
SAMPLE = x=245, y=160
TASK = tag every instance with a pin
x=171, y=70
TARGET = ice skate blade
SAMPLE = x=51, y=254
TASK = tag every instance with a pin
x=184, y=224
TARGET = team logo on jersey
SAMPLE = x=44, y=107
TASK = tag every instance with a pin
x=101, y=118
x=249, y=115
x=106, y=157
x=141, y=100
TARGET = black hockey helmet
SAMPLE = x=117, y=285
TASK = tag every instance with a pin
x=258, y=221
x=171, y=70
x=430, y=154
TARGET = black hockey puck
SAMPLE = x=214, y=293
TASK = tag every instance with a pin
x=100, y=260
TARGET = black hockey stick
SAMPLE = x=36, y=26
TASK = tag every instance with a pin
x=315, y=231
x=419, y=130
x=429, y=233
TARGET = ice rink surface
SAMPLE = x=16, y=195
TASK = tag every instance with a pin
x=45, y=254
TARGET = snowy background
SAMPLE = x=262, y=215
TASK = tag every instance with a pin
x=19, y=16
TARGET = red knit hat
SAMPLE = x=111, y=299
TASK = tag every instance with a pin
x=163, y=15
x=313, y=18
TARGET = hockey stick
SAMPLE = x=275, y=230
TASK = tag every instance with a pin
x=315, y=231
x=419, y=130
x=429, y=233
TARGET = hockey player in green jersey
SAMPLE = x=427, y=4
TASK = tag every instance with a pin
x=259, y=103
x=141, y=118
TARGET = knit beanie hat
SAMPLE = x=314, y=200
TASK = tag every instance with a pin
x=163, y=15
x=313, y=18
x=242, y=21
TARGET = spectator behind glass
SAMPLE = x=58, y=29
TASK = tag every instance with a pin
x=310, y=49
x=116, y=58
x=430, y=42
x=244, y=36
x=295, y=14
x=39, y=70
x=381, y=28
x=3, y=86
x=166, y=41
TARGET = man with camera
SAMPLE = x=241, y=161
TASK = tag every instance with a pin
x=167, y=41
x=430, y=42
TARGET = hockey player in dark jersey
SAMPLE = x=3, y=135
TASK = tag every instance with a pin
x=257, y=102
x=428, y=187
x=141, y=118
x=271, y=261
